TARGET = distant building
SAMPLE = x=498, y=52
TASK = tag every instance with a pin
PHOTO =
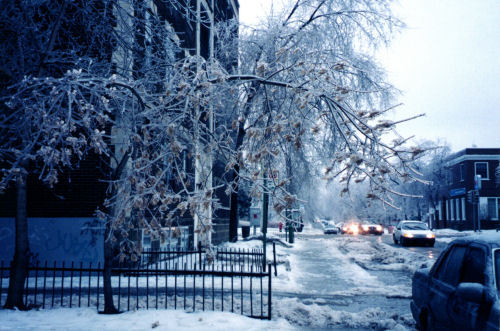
x=455, y=210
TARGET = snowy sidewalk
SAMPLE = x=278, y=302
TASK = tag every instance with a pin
x=339, y=282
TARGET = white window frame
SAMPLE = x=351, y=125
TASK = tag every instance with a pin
x=495, y=217
x=498, y=208
x=463, y=209
x=487, y=170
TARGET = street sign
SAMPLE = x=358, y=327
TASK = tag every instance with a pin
x=255, y=216
x=457, y=191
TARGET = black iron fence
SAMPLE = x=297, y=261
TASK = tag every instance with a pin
x=218, y=257
x=231, y=280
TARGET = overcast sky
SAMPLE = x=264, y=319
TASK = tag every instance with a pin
x=447, y=65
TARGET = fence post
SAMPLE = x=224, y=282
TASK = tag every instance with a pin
x=274, y=254
x=199, y=254
x=269, y=294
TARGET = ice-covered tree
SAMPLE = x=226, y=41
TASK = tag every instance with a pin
x=75, y=80
x=309, y=75
x=49, y=118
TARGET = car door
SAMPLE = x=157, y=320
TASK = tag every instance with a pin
x=443, y=283
x=397, y=232
x=467, y=315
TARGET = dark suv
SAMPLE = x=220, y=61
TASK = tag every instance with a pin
x=461, y=290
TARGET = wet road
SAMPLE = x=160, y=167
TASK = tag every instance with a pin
x=430, y=252
x=329, y=276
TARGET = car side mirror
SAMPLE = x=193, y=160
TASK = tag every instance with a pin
x=473, y=292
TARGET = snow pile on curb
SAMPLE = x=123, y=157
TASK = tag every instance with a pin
x=320, y=316
x=448, y=235
x=380, y=256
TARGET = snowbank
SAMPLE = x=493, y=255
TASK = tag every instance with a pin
x=448, y=235
x=86, y=318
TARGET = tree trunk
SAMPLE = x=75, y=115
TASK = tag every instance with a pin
x=19, y=266
x=233, y=211
x=235, y=179
x=109, y=305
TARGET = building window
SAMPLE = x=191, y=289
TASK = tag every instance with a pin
x=498, y=207
x=463, y=209
x=481, y=168
x=462, y=172
x=492, y=209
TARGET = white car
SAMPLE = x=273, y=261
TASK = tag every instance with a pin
x=331, y=229
x=413, y=232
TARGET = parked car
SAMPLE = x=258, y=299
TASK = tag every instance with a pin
x=371, y=228
x=461, y=291
x=413, y=232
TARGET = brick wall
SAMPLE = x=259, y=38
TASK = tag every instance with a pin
x=77, y=194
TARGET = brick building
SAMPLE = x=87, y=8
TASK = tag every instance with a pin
x=454, y=210
x=82, y=190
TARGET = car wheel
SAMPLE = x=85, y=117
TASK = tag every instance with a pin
x=394, y=238
x=402, y=241
x=426, y=321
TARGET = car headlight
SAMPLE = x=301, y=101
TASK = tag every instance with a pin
x=379, y=228
x=365, y=227
x=431, y=235
x=408, y=235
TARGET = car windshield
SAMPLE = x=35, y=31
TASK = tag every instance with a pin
x=497, y=267
x=414, y=226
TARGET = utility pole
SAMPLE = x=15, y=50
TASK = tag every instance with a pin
x=265, y=207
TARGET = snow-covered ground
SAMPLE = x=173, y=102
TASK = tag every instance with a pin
x=364, y=283
x=89, y=319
